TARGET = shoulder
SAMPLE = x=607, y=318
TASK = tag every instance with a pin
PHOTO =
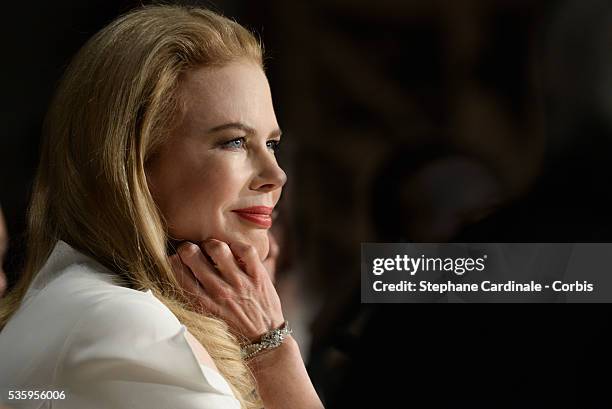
x=93, y=306
x=96, y=310
x=117, y=315
x=110, y=311
x=120, y=326
x=114, y=338
x=132, y=336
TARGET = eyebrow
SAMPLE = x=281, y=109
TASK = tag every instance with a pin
x=243, y=127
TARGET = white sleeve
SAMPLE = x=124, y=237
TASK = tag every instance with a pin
x=130, y=351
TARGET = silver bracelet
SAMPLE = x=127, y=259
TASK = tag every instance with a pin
x=270, y=340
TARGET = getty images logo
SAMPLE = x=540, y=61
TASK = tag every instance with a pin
x=412, y=265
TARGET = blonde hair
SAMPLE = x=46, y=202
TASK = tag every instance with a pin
x=117, y=101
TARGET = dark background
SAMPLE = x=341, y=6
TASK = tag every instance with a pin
x=438, y=120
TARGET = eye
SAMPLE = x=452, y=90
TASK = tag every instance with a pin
x=237, y=143
x=274, y=145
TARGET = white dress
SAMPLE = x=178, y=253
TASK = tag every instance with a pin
x=103, y=345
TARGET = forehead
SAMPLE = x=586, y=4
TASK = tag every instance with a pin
x=238, y=91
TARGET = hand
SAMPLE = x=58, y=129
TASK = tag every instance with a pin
x=237, y=288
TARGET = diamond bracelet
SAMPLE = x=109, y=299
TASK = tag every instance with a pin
x=270, y=340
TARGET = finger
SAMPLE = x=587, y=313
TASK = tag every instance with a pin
x=191, y=255
x=222, y=256
x=250, y=258
x=185, y=277
x=192, y=290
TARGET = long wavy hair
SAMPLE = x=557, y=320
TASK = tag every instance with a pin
x=117, y=101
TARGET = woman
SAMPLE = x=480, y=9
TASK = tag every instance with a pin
x=162, y=132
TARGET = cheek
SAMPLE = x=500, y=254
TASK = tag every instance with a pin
x=194, y=192
x=209, y=197
x=277, y=194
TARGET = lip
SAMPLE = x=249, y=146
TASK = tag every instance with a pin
x=259, y=215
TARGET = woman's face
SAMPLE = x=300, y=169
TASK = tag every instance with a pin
x=220, y=158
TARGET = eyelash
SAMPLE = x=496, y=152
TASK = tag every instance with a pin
x=275, y=144
x=228, y=144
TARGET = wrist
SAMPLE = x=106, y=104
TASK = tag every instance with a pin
x=272, y=339
x=276, y=357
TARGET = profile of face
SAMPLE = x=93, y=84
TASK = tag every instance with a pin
x=216, y=176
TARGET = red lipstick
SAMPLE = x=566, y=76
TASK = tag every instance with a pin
x=259, y=215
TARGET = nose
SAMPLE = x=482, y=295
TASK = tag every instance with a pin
x=269, y=176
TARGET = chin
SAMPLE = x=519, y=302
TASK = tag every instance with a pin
x=257, y=238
